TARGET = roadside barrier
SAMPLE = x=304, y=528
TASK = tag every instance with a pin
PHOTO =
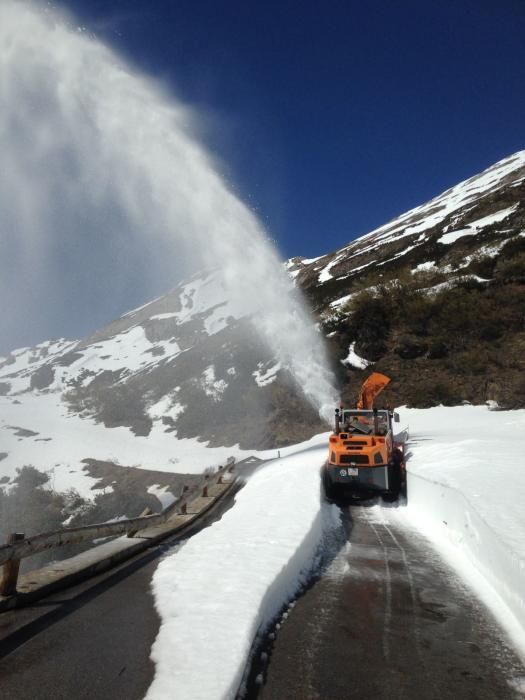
x=19, y=547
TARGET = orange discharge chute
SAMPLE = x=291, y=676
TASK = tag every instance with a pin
x=373, y=386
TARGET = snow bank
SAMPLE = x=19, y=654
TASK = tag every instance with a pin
x=466, y=488
x=216, y=593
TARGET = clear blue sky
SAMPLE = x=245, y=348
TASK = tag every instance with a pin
x=333, y=117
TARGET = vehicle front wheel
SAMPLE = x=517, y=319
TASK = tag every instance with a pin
x=329, y=487
x=394, y=482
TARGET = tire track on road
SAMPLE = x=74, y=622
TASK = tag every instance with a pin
x=388, y=619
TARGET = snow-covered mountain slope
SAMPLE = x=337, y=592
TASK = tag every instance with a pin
x=483, y=212
x=179, y=384
x=167, y=382
x=443, y=310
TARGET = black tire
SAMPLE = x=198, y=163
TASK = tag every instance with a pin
x=394, y=481
x=389, y=497
x=330, y=490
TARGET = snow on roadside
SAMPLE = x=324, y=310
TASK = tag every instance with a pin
x=466, y=488
x=227, y=583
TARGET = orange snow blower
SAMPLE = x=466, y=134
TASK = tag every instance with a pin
x=364, y=458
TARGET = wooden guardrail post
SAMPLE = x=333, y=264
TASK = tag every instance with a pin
x=146, y=511
x=11, y=568
x=205, y=492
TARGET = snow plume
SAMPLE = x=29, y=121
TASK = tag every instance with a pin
x=107, y=197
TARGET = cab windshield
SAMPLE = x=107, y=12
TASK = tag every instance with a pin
x=365, y=422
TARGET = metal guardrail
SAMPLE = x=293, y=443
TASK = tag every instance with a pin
x=19, y=547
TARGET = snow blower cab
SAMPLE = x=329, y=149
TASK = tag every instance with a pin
x=363, y=457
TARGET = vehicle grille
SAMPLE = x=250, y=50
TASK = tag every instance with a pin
x=355, y=442
x=358, y=459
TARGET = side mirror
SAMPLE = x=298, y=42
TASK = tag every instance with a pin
x=396, y=417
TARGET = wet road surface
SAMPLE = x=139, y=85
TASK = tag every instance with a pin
x=91, y=641
x=387, y=619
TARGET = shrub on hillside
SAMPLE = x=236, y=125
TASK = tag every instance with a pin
x=438, y=350
x=427, y=393
x=473, y=361
x=423, y=279
x=418, y=312
x=482, y=265
x=374, y=312
x=513, y=247
x=511, y=268
x=369, y=323
x=458, y=315
x=409, y=349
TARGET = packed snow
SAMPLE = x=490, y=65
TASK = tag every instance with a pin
x=163, y=317
x=424, y=267
x=212, y=386
x=354, y=360
x=309, y=261
x=338, y=303
x=263, y=376
x=461, y=198
x=56, y=441
x=196, y=299
x=166, y=407
x=466, y=487
x=215, y=594
x=325, y=275
x=127, y=352
x=475, y=226
x=139, y=308
x=163, y=493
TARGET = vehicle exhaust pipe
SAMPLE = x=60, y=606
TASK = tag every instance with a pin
x=337, y=422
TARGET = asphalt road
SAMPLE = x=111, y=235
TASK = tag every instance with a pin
x=91, y=641
x=386, y=619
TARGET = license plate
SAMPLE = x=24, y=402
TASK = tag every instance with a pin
x=353, y=471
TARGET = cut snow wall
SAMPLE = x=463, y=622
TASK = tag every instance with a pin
x=460, y=523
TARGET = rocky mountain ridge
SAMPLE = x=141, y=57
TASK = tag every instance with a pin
x=434, y=298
